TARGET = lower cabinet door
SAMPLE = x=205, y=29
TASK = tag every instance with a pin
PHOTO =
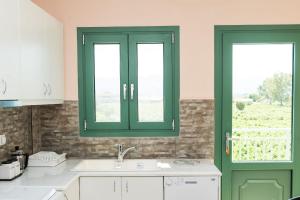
x=100, y=188
x=142, y=188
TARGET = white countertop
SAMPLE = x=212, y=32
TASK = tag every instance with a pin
x=20, y=193
x=58, y=177
x=39, y=180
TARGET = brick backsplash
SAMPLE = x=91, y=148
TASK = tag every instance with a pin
x=56, y=128
x=60, y=132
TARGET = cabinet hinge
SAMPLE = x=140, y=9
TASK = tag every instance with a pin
x=85, y=125
x=173, y=38
x=83, y=39
x=173, y=125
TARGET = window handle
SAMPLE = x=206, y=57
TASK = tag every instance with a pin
x=131, y=91
x=124, y=91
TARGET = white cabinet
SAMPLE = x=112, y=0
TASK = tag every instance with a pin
x=31, y=54
x=100, y=188
x=54, y=58
x=9, y=49
x=145, y=188
x=41, y=54
x=121, y=188
x=72, y=192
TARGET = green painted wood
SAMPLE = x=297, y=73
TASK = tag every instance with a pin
x=85, y=83
x=261, y=185
x=154, y=38
x=224, y=37
x=90, y=42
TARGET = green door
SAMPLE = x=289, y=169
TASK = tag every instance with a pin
x=258, y=94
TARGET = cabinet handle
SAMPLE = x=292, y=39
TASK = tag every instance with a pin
x=66, y=196
x=5, y=86
x=114, y=186
x=45, y=89
x=127, y=186
x=124, y=91
x=49, y=89
x=131, y=91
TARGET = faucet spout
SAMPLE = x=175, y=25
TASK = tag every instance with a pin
x=121, y=153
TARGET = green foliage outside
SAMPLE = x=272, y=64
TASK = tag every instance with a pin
x=263, y=127
x=276, y=88
x=258, y=118
x=240, y=105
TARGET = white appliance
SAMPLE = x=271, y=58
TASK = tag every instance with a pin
x=46, y=159
x=9, y=170
x=191, y=188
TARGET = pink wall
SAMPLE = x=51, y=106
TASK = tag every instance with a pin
x=196, y=19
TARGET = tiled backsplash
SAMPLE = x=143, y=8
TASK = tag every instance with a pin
x=55, y=128
x=60, y=132
x=17, y=125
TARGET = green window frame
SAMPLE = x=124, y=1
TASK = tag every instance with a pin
x=128, y=39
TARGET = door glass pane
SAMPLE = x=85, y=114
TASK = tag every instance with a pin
x=107, y=82
x=262, y=102
x=150, y=82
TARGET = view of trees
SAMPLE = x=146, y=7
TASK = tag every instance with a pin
x=262, y=121
x=275, y=89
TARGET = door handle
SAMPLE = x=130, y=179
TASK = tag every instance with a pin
x=227, y=141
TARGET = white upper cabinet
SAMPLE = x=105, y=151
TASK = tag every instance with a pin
x=54, y=58
x=9, y=49
x=31, y=54
x=41, y=55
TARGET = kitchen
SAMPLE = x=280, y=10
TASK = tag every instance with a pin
x=55, y=98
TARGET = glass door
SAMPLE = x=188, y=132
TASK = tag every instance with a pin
x=259, y=115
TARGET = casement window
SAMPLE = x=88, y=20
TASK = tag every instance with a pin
x=128, y=81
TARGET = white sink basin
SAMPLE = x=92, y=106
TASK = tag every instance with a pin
x=114, y=165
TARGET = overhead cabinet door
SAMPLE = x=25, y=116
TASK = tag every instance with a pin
x=41, y=55
x=9, y=49
x=53, y=31
x=33, y=52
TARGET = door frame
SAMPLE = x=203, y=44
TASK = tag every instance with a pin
x=219, y=30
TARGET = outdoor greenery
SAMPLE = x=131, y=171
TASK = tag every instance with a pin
x=262, y=127
x=276, y=88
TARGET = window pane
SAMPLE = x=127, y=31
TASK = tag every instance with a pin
x=262, y=102
x=107, y=82
x=150, y=82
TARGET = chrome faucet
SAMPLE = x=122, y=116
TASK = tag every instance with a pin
x=122, y=153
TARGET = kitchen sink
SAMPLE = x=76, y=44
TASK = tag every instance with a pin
x=115, y=165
